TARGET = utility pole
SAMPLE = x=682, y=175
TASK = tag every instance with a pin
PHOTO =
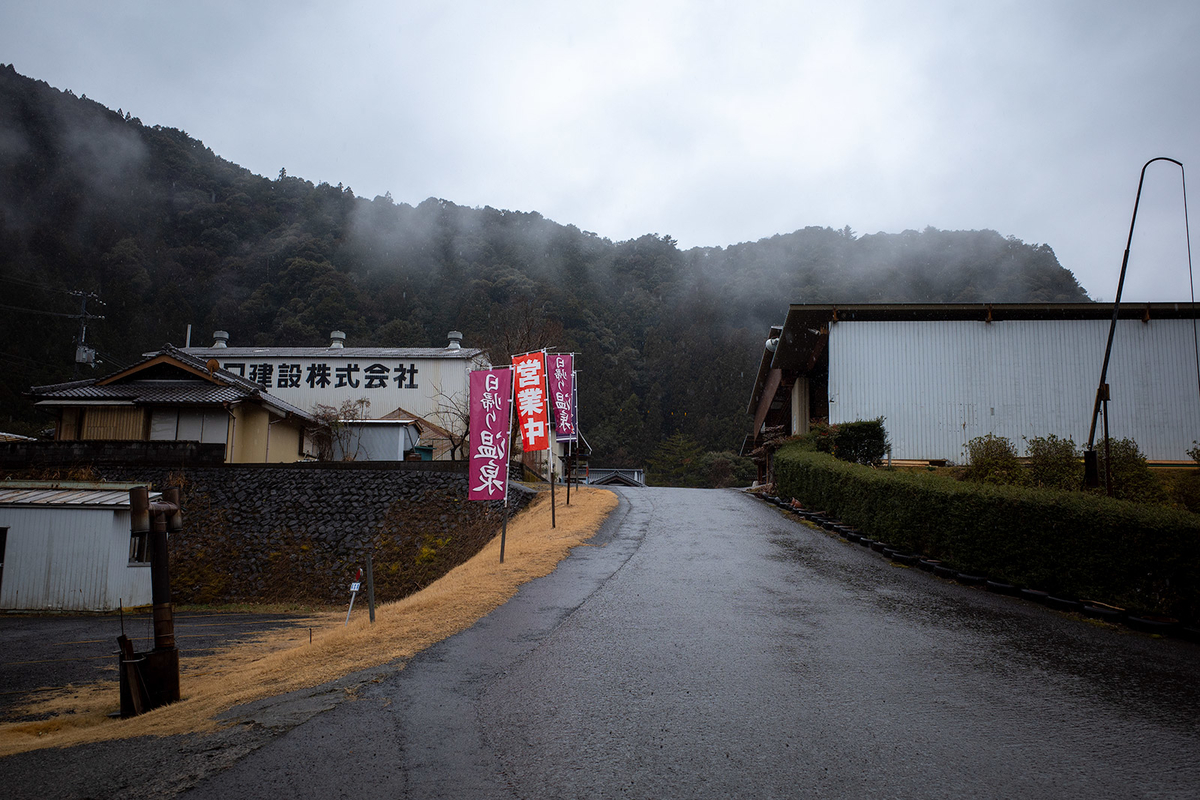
x=83, y=353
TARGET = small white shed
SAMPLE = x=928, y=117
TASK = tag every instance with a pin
x=66, y=546
x=376, y=439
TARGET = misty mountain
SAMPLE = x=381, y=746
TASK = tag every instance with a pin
x=166, y=233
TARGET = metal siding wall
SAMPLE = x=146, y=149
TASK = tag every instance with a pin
x=57, y=559
x=940, y=384
x=25, y=558
x=125, y=424
x=127, y=585
x=381, y=443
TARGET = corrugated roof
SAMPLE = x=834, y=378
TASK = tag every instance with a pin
x=68, y=494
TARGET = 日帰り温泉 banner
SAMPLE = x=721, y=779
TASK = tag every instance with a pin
x=491, y=416
x=560, y=371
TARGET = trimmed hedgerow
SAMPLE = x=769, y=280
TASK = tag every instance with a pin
x=1130, y=554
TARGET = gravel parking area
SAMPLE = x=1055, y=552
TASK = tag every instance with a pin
x=48, y=652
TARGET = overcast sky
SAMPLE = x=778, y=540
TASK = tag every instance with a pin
x=713, y=122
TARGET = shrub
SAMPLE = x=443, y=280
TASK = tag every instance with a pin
x=728, y=469
x=820, y=437
x=1054, y=463
x=1131, y=475
x=861, y=442
x=992, y=459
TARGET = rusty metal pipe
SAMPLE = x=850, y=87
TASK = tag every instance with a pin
x=160, y=583
x=175, y=520
x=139, y=509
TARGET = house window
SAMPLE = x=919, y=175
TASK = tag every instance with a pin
x=139, y=548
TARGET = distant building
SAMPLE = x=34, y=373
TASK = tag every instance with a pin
x=172, y=396
x=604, y=476
x=942, y=375
x=427, y=384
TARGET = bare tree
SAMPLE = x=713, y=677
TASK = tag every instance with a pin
x=335, y=433
x=454, y=412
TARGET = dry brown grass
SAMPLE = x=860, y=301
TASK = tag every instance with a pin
x=285, y=661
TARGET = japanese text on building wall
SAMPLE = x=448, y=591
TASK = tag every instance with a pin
x=323, y=375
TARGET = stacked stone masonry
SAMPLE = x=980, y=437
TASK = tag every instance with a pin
x=298, y=533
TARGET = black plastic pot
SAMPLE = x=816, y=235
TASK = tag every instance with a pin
x=1064, y=603
x=1104, y=612
x=1189, y=632
x=1152, y=623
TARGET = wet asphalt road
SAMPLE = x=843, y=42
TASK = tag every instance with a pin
x=709, y=646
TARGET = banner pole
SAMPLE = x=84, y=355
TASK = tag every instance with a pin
x=550, y=444
x=512, y=396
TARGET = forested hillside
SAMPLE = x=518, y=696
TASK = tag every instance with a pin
x=167, y=233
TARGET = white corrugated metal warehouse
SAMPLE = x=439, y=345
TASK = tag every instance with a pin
x=67, y=546
x=943, y=374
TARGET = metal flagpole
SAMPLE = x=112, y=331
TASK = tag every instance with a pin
x=1091, y=472
x=512, y=402
x=549, y=443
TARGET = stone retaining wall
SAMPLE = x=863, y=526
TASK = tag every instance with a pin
x=298, y=532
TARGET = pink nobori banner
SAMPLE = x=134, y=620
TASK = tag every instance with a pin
x=561, y=369
x=532, y=411
x=491, y=409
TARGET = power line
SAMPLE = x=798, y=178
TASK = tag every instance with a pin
x=33, y=284
x=46, y=313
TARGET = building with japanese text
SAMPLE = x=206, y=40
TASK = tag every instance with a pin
x=428, y=383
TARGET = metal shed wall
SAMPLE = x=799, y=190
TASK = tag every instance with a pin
x=939, y=384
x=70, y=559
x=378, y=442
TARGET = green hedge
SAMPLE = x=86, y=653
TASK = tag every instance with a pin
x=1130, y=554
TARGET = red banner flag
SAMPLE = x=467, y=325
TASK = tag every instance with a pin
x=491, y=416
x=531, y=401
